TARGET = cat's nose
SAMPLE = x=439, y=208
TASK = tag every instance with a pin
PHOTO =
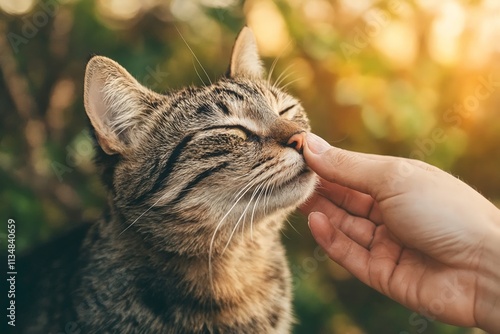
x=297, y=141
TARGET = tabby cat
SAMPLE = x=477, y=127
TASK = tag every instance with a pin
x=200, y=181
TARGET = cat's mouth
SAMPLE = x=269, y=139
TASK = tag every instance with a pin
x=287, y=181
x=303, y=173
x=295, y=188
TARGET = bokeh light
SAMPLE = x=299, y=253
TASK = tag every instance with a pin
x=18, y=7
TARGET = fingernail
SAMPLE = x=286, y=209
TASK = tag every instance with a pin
x=309, y=216
x=309, y=219
x=321, y=230
x=316, y=144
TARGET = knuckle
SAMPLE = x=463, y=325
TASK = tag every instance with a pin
x=399, y=169
x=395, y=175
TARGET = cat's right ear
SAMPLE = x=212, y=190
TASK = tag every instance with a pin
x=113, y=103
x=245, y=60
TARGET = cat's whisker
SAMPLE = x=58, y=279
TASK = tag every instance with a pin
x=291, y=82
x=241, y=193
x=284, y=234
x=241, y=217
x=273, y=65
x=277, y=81
x=266, y=197
x=253, y=211
x=282, y=79
x=194, y=55
x=142, y=214
x=261, y=192
x=198, y=74
x=293, y=227
x=243, y=226
x=264, y=200
x=232, y=232
x=269, y=195
x=275, y=61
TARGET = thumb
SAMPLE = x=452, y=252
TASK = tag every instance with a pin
x=351, y=169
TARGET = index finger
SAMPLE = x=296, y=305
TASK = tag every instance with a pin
x=356, y=203
x=349, y=169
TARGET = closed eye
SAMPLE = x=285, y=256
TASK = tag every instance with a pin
x=237, y=130
x=286, y=109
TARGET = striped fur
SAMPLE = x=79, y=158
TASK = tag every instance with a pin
x=200, y=181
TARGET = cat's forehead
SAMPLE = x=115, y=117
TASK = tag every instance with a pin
x=249, y=98
x=251, y=90
x=254, y=103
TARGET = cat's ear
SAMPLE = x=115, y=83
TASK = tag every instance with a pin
x=245, y=60
x=113, y=101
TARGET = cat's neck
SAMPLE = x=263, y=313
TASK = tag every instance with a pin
x=246, y=259
x=248, y=280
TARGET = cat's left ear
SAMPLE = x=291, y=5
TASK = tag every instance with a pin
x=245, y=60
x=115, y=104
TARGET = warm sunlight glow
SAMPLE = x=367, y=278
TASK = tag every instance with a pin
x=268, y=26
x=301, y=74
x=479, y=49
x=120, y=9
x=318, y=10
x=398, y=43
x=429, y=5
x=184, y=10
x=355, y=89
x=446, y=30
x=17, y=7
x=356, y=7
x=218, y=3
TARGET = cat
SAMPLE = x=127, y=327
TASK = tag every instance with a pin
x=200, y=181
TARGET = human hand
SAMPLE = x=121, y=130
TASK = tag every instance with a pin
x=410, y=230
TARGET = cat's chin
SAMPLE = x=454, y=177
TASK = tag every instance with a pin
x=296, y=190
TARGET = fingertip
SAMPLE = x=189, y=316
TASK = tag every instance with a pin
x=317, y=152
x=314, y=149
x=321, y=228
x=339, y=247
x=315, y=215
x=316, y=144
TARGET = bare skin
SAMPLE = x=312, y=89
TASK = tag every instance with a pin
x=409, y=230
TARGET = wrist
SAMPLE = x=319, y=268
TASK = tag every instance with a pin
x=487, y=304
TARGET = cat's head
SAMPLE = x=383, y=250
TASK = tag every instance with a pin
x=184, y=165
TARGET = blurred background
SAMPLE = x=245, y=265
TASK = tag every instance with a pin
x=417, y=79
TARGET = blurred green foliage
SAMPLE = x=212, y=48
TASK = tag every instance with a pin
x=416, y=79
